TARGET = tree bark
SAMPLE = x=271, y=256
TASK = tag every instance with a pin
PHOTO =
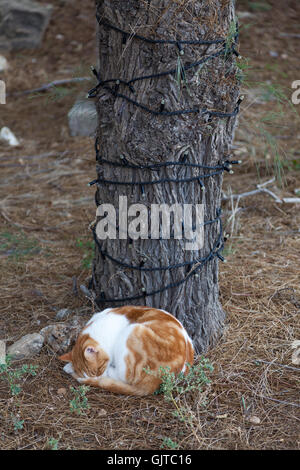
x=143, y=138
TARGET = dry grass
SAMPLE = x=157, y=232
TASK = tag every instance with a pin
x=39, y=257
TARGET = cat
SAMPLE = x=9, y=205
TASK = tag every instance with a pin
x=119, y=346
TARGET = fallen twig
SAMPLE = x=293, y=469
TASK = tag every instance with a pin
x=47, y=86
x=276, y=364
x=260, y=189
x=74, y=286
x=39, y=156
x=291, y=200
x=289, y=35
x=282, y=402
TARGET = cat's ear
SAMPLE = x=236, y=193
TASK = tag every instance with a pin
x=67, y=357
x=90, y=353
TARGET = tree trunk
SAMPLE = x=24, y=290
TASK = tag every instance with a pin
x=130, y=127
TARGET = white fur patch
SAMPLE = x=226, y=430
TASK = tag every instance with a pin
x=68, y=368
x=104, y=327
x=111, y=331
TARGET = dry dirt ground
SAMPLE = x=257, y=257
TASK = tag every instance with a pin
x=252, y=401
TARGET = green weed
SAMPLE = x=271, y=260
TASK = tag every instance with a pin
x=260, y=6
x=243, y=65
x=180, y=75
x=174, y=387
x=87, y=246
x=229, y=250
x=14, y=376
x=17, y=246
x=175, y=390
x=17, y=423
x=169, y=444
x=230, y=39
x=52, y=444
x=79, y=404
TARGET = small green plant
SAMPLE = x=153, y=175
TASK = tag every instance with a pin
x=174, y=387
x=13, y=376
x=18, y=424
x=17, y=245
x=229, y=250
x=79, y=404
x=230, y=39
x=176, y=390
x=243, y=67
x=259, y=6
x=55, y=93
x=59, y=92
x=195, y=379
x=180, y=75
x=52, y=444
x=276, y=68
x=87, y=246
x=169, y=444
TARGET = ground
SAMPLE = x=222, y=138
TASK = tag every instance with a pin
x=252, y=401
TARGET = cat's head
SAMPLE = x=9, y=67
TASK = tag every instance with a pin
x=86, y=359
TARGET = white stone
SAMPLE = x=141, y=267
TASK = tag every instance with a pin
x=3, y=63
x=7, y=135
x=83, y=119
x=254, y=420
x=28, y=346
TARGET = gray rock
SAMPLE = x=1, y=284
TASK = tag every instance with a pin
x=60, y=337
x=63, y=314
x=83, y=119
x=22, y=23
x=28, y=346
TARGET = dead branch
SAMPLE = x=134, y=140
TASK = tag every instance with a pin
x=47, y=86
x=289, y=35
x=282, y=402
x=260, y=189
x=275, y=364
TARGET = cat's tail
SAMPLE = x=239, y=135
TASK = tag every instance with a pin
x=117, y=386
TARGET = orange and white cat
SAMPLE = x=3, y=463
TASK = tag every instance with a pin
x=118, y=344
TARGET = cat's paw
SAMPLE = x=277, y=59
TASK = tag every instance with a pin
x=81, y=380
x=68, y=368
